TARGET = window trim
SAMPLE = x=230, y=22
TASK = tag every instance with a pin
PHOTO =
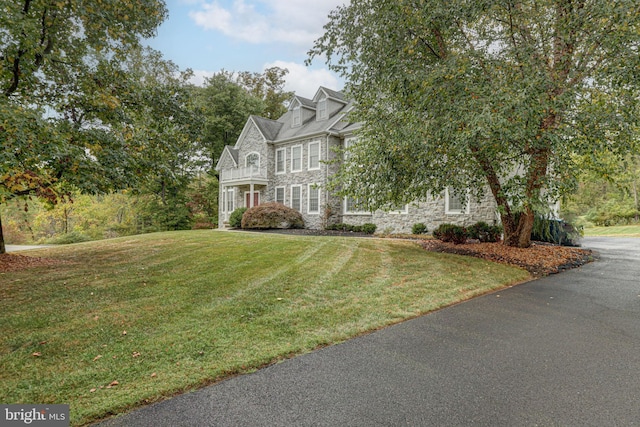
x=312, y=187
x=347, y=212
x=296, y=120
x=322, y=109
x=449, y=211
x=229, y=197
x=246, y=158
x=298, y=186
x=309, y=155
x=284, y=161
x=293, y=158
x=284, y=194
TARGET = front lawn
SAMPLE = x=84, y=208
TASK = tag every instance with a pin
x=110, y=325
x=616, y=231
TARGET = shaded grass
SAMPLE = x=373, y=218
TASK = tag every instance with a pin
x=618, y=230
x=169, y=312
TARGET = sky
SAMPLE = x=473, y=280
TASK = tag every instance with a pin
x=248, y=35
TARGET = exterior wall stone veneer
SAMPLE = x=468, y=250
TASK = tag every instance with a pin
x=330, y=133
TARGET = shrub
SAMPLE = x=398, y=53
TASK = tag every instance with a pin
x=419, y=228
x=272, y=215
x=484, y=232
x=364, y=228
x=235, y=219
x=368, y=228
x=64, y=239
x=450, y=233
x=555, y=231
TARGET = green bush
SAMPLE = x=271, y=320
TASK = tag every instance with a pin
x=272, y=215
x=450, y=233
x=368, y=228
x=556, y=231
x=484, y=232
x=235, y=219
x=64, y=239
x=419, y=228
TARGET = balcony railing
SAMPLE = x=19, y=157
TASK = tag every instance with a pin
x=239, y=174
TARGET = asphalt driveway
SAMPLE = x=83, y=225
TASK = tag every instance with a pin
x=563, y=350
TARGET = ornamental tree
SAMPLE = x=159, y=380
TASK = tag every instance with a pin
x=484, y=96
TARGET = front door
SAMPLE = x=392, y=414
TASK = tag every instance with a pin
x=247, y=198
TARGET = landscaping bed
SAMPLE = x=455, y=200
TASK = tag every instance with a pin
x=540, y=259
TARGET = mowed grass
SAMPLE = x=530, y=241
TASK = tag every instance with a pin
x=169, y=312
x=618, y=230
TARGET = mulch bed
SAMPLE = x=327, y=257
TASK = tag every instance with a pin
x=540, y=259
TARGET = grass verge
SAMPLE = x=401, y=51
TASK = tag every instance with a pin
x=129, y=321
x=617, y=230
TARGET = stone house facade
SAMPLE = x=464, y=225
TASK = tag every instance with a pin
x=290, y=160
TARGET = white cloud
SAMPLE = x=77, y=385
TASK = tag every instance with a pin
x=305, y=81
x=296, y=22
x=199, y=76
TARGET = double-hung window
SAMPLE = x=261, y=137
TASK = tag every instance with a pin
x=314, y=155
x=280, y=160
x=313, y=199
x=296, y=197
x=280, y=195
x=454, y=204
x=296, y=158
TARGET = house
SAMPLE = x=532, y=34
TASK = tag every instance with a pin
x=286, y=161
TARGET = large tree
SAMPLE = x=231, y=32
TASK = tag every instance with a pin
x=473, y=94
x=62, y=83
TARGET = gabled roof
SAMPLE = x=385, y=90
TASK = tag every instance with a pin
x=268, y=128
x=335, y=95
x=304, y=102
x=228, y=151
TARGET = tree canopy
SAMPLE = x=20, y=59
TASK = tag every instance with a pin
x=63, y=81
x=473, y=94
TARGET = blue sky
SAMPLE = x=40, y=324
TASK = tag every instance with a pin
x=248, y=35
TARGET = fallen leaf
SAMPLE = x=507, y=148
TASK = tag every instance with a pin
x=97, y=357
x=93, y=390
x=124, y=332
x=37, y=354
x=136, y=354
x=113, y=384
x=153, y=375
x=42, y=342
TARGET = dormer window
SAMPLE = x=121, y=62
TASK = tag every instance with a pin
x=322, y=109
x=297, y=116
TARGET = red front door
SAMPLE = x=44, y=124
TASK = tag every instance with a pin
x=247, y=199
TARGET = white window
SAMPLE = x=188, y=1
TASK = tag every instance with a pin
x=296, y=158
x=354, y=206
x=322, y=109
x=455, y=205
x=313, y=199
x=296, y=197
x=297, y=117
x=252, y=159
x=280, y=195
x=314, y=155
x=280, y=160
x=229, y=204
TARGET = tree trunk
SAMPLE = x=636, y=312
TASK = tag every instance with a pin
x=3, y=249
x=518, y=234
